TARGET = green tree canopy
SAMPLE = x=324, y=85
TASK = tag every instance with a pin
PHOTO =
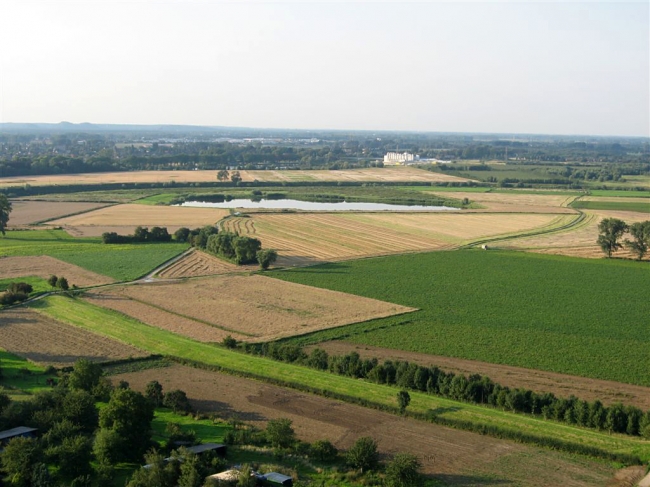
x=363, y=454
x=280, y=432
x=266, y=257
x=85, y=375
x=610, y=232
x=19, y=457
x=5, y=209
x=640, y=232
x=403, y=471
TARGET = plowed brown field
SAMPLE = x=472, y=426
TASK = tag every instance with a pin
x=29, y=212
x=579, y=242
x=561, y=385
x=307, y=238
x=454, y=457
x=125, y=218
x=44, y=266
x=256, y=306
x=43, y=340
x=199, y=263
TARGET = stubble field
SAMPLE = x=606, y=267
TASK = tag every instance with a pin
x=30, y=212
x=254, y=306
x=44, y=266
x=197, y=263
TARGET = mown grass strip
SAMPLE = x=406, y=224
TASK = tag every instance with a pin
x=115, y=325
x=638, y=206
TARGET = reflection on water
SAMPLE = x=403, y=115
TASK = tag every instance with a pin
x=286, y=204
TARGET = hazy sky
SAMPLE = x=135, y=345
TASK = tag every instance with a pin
x=551, y=67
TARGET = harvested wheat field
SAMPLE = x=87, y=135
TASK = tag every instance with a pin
x=199, y=263
x=385, y=174
x=259, y=307
x=125, y=218
x=307, y=238
x=518, y=203
x=160, y=318
x=562, y=385
x=576, y=242
x=44, y=266
x=30, y=212
x=406, y=174
x=43, y=340
x=452, y=456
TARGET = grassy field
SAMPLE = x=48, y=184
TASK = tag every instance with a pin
x=535, y=311
x=620, y=193
x=20, y=377
x=38, y=284
x=116, y=325
x=121, y=262
x=643, y=207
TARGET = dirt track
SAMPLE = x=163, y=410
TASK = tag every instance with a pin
x=455, y=457
x=561, y=385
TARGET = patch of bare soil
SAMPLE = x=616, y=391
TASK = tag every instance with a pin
x=260, y=307
x=454, y=457
x=30, y=212
x=49, y=342
x=561, y=385
x=44, y=266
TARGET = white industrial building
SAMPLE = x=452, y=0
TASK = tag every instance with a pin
x=399, y=158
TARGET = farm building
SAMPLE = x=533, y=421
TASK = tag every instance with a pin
x=21, y=431
x=274, y=478
x=218, y=448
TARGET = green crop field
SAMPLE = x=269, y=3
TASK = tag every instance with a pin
x=118, y=326
x=643, y=207
x=121, y=262
x=619, y=193
x=21, y=378
x=39, y=285
x=542, y=312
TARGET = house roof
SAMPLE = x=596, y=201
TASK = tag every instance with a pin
x=21, y=430
x=205, y=447
x=276, y=477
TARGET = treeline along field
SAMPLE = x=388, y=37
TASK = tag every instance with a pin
x=574, y=316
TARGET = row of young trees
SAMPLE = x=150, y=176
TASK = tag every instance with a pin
x=612, y=230
x=477, y=389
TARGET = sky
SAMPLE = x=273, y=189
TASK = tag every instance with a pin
x=499, y=67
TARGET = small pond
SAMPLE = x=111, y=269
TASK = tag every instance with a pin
x=288, y=204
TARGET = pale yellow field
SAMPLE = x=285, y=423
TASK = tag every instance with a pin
x=616, y=199
x=124, y=218
x=29, y=212
x=199, y=263
x=255, y=306
x=579, y=242
x=305, y=238
x=405, y=174
x=517, y=203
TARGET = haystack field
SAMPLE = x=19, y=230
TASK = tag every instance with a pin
x=124, y=219
x=578, y=242
x=306, y=238
x=453, y=457
x=258, y=307
x=30, y=212
x=199, y=263
x=405, y=174
x=44, y=266
x=41, y=339
x=151, y=315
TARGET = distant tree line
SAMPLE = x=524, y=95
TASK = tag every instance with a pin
x=475, y=388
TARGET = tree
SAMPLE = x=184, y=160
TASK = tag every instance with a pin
x=85, y=375
x=246, y=249
x=79, y=408
x=235, y=177
x=19, y=457
x=229, y=342
x=177, y=400
x=129, y=414
x=182, y=234
x=280, y=433
x=611, y=230
x=159, y=234
x=159, y=473
x=223, y=175
x=5, y=209
x=154, y=392
x=72, y=456
x=62, y=283
x=41, y=476
x=640, y=231
x=403, y=400
x=324, y=451
x=403, y=471
x=246, y=477
x=141, y=234
x=266, y=257
x=108, y=446
x=52, y=280
x=363, y=454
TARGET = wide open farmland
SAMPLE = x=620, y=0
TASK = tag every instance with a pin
x=579, y=241
x=535, y=311
x=125, y=218
x=44, y=266
x=455, y=457
x=258, y=307
x=46, y=341
x=30, y=212
x=303, y=238
x=515, y=202
x=386, y=174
